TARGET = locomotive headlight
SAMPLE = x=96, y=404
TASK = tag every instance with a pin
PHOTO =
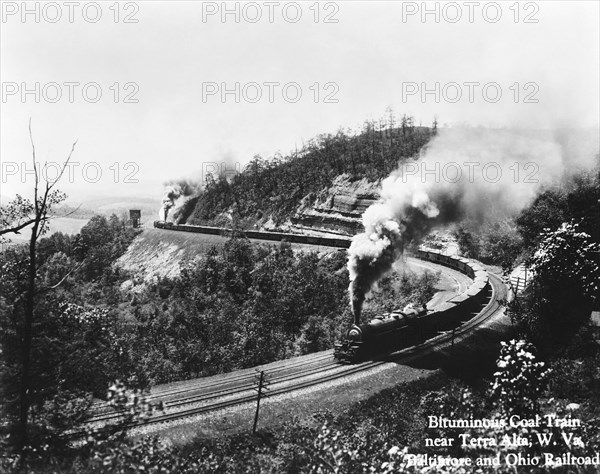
x=354, y=334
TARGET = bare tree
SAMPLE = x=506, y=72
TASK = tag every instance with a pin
x=16, y=216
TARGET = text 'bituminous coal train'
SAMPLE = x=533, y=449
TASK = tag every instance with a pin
x=401, y=329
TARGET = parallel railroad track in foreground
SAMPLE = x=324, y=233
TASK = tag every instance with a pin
x=237, y=385
x=186, y=399
x=179, y=389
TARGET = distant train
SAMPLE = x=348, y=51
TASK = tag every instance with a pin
x=339, y=242
x=385, y=334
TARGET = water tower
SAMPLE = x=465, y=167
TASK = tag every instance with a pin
x=135, y=215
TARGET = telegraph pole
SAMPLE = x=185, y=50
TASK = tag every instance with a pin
x=261, y=382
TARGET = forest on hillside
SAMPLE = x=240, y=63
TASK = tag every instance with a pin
x=274, y=188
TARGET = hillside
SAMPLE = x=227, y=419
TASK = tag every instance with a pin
x=324, y=186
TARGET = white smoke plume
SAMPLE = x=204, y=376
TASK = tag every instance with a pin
x=180, y=196
x=176, y=195
x=475, y=174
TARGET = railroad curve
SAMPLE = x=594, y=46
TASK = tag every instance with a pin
x=200, y=396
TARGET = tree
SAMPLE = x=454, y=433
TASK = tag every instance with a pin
x=519, y=381
x=15, y=216
x=546, y=212
x=434, y=126
x=19, y=214
x=568, y=255
x=564, y=288
x=577, y=198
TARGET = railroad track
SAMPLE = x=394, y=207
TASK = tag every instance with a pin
x=221, y=382
x=233, y=386
x=186, y=399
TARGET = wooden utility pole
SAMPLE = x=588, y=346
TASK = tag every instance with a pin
x=261, y=383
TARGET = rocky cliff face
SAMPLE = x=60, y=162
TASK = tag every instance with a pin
x=337, y=209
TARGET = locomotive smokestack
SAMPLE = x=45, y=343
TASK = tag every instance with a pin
x=165, y=209
x=357, y=302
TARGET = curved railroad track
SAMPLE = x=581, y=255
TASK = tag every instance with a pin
x=189, y=398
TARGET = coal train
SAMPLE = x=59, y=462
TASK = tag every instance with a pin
x=400, y=329
x=338, y=242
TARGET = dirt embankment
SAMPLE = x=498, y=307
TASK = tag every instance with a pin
x=160, y=253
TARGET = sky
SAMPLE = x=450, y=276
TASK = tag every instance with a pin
x=155, y=91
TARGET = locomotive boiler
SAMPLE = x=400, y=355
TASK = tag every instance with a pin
x=384, y=334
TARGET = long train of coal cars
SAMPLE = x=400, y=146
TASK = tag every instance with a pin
x=340, y=242
x=399, y=329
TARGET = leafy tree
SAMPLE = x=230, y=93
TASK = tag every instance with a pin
x=568, y=255
x=519, y=381
x=575, y=199
x=55, y=243
x=548, y=211
x=333, y=453
x=583, y=199
x=467, y=242
x=564, y=287
x=99, y=243
x=16, y=215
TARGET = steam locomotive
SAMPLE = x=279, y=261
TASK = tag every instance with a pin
x=399, y=329
x=385, y=334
